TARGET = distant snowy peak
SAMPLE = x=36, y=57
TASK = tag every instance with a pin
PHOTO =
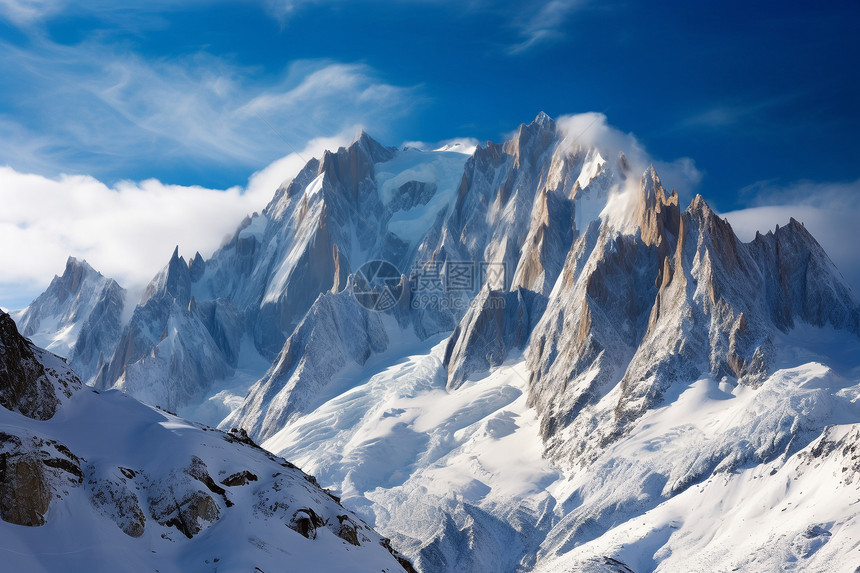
x=458, y=146
x=174, y=347
x=65, y=301
x=78, y=316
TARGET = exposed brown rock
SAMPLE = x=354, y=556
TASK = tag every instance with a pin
x=116, y=501
x=239, y=478
x=24, y=492
x=348, y=531
x=193, y=514
x=198, y=471
x=306, y=521
x=24, y=387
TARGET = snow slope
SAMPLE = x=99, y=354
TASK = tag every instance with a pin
x=411, y=457
x=458, y=478
x=107, y=483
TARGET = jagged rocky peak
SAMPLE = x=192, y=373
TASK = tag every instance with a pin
x=531, y=140
x=73, y=276
x=172, y=282
x=79, y=316
x=803, y=282
x=350, y=166
x=196, y=267
x=674, y=297
x=61, y=296
x=620, y=276
x=658, y=216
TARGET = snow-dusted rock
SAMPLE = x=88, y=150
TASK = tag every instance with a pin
x=79, y=316
x=108, y=483
x=336, y=333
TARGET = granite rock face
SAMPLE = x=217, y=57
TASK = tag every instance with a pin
x=676, y=297
x=32, y=381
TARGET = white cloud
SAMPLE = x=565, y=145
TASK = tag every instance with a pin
x=830, y=211
x=544, y=24
x=23, y=12
x=126, y=231
x=592, y=129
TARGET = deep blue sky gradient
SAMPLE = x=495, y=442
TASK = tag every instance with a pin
x=752, y=92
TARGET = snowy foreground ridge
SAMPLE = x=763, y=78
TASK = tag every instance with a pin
x=100, y=482
x=527, y=356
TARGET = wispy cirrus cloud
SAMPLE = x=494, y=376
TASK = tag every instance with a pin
x=745, y=113
x=23, y=12
x=88, y=107
x=543, y=22
x=533, y=23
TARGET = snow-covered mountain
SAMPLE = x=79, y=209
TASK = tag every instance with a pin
x=79, y=316
x=559, y=367
x=102, y=482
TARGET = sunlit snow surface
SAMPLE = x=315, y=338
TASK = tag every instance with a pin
x=414, y=459
x=443, y=168
x=109, y=431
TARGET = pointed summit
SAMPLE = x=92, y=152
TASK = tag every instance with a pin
x=196, y=267
x=377, y=152
x=532, y=140
x=657, y=213
x=172, y=282
x=347, y=168
x=543, y=119
x=74, y=266
x=362, y=136
x=73, y=276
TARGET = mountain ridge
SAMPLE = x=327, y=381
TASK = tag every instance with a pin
x=551, y=299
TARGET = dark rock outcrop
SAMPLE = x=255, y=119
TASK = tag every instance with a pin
x=26, y=385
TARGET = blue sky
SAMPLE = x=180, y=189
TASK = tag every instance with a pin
x=761, y=97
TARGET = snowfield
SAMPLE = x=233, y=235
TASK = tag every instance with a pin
x=688, y=489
